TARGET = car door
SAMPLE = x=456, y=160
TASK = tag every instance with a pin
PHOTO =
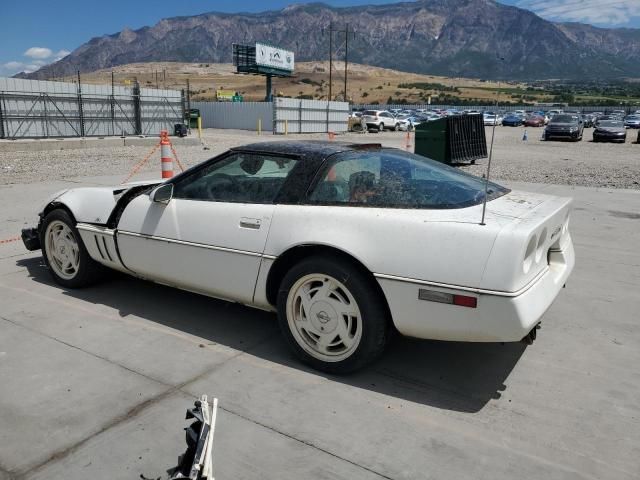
x=210, y=236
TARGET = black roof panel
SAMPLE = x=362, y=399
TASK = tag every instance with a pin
x=312, y=148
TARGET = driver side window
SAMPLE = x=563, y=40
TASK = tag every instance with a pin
x=238, y=178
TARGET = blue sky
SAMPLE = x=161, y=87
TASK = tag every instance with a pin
x=41, y=31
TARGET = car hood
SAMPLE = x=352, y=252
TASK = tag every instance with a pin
x=93, y=204
x=562, y=125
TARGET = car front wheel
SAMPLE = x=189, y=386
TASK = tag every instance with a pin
x=332, y=315
x=64, y=253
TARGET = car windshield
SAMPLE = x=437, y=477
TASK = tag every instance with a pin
x=564, y=119
x=394, y=179
x=610, y=124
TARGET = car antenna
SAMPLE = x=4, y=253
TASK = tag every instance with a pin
x=493, y=135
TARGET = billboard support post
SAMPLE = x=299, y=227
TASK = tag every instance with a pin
x=269, y=96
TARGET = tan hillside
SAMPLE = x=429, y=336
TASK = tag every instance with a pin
x=366, y=84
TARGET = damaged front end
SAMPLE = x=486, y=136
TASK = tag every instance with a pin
x=31, y=238
x=196, y=463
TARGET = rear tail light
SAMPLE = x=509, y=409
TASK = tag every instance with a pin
x=465, y=301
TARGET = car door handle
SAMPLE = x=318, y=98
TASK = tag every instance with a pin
x=252, y=223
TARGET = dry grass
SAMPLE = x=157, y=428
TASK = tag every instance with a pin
x=366, y=84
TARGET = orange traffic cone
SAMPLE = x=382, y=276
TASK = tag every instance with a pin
x=407, y=145
x=165, y=155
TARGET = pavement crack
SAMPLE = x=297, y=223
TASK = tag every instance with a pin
x=304, y=442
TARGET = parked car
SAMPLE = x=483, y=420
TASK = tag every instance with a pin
x=357, y=123
x=605, y=118
x=534, y=121
x=610, y=131
x=380, y=120
x=492, y=119
x=632, y=121
x=564, y=126
x=512, y=120
x=408, y=122
x=588, y=120
x=331, y=236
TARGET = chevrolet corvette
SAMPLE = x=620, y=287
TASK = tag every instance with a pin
x=347, y=243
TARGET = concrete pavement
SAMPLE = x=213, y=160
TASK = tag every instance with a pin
x=94, y=382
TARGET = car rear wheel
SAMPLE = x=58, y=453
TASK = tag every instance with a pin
x=64, y=253
x=332, y=316
x=381, y=127
x=397, y=127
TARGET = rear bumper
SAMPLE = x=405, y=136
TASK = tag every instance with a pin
x=31, y=238
x=499, y=317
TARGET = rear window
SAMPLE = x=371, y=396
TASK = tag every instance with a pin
x=369, y=112
x=394, y=179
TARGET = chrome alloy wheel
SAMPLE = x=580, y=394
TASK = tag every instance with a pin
x=63, y=252
x=324, y=317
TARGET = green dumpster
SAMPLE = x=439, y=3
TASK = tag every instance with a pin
x=452, y=140
x=194, y=115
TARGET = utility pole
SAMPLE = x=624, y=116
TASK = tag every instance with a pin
x=113, y=104
x=330, y=59
x=346, y=32
x=346, y=59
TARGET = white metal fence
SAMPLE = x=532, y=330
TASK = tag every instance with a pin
x=284, y=115
x=292, y=115
x=236, y=115
x=36, y=108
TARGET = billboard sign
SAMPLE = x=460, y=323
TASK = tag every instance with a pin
x=274, y=57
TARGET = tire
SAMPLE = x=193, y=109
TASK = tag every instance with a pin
x=381, y=127
x=397, y=127
x=72, y=267
x=312, y=331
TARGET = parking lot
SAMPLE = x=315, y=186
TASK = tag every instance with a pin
x=95, y=382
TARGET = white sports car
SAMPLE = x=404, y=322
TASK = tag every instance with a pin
x=344, y=241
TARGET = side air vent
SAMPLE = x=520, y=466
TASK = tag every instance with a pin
x=95, y=237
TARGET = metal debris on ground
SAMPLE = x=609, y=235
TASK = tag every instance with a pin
x=196, y=463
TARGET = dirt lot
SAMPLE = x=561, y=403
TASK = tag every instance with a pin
x=581, y=163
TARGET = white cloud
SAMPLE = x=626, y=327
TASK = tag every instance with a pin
x=13, y=65
x=37, y=57
x=598, y=12
x=38, y=52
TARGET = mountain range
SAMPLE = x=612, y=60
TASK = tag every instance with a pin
x=456, y=38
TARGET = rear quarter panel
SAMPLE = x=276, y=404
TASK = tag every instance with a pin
x=433, y=245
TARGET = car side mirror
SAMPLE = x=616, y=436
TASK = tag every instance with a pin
x=162, y=194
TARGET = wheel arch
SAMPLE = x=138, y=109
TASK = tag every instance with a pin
x=296, y=254
x=55, y=205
